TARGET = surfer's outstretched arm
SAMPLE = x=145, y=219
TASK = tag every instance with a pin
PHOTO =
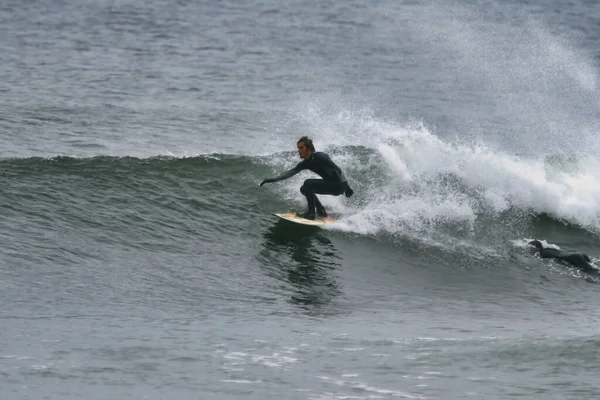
x=284, y=175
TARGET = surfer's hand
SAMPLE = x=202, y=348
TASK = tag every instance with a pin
x=348, y=190
x=266, y=181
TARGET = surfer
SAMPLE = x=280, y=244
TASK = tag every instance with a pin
x=579, y=260
x=333, y=183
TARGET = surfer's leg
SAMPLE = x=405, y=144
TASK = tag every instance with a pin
x=320, y=208
x=311, y=199
x=579, y=261
x=312, y=187
x=321, y=186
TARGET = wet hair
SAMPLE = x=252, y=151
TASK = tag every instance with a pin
x=537, y=244
x=307, y=142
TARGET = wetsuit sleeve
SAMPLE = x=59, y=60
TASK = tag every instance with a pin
x=289, y=173
x=332, y=169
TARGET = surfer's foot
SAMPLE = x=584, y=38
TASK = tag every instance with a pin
x=322, y=213
x=307, y=215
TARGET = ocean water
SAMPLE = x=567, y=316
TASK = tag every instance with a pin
x=139, y=258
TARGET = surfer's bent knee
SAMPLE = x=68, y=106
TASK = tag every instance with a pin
x=305, y=186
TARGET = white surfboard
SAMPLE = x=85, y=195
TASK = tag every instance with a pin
x=292, y=217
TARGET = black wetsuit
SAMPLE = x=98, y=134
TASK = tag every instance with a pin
x=581, y=261
x=333, y=182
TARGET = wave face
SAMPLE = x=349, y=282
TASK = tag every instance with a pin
x=409, y=184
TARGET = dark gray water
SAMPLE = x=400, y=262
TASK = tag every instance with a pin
x=139, y=258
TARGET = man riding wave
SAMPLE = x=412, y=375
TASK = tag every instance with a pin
x=333, y=181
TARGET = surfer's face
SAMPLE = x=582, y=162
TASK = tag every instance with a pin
x=303, y=151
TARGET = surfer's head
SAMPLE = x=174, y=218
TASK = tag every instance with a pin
x=305, y=147
x=537, y=244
